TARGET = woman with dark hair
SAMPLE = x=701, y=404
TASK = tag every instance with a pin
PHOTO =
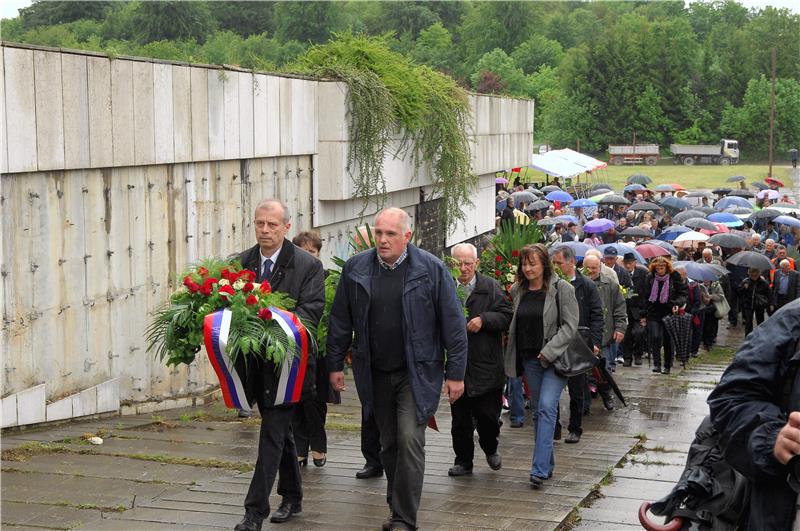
x=666, y=294
x=544, y=322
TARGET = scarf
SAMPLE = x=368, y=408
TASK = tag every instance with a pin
x=664, y=296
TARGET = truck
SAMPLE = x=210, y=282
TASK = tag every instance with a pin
x=724, y=153
x=635, y=154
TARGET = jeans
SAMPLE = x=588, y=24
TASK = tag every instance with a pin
x=546, y=387
x=610, y=353
x=516, y=400
x=402, y=444
x=485, y=409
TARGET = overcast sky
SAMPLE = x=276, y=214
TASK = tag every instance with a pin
x=8, y=8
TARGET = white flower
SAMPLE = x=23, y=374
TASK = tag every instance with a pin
x=224, y=282
x=239, y=284
x=510, y=277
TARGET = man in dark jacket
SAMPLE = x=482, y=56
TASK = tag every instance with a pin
x=785, y=286
x=752, y=415
x=590, y=325
x=397, y=306
x=635, y=337
x=296, y=273
x=508, y=213
x=489, y=314
x=753, y=298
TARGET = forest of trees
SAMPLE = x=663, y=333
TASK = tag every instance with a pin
x=600, y=72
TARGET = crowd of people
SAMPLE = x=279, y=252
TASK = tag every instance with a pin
x=397, y=314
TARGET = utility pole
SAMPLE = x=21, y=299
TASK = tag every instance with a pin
x=772, y=109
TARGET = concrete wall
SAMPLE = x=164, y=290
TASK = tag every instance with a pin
x=116, y=173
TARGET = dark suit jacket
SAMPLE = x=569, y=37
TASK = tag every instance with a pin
x=300, y=276
x=793, y=291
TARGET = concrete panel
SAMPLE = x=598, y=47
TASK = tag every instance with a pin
x=49, y=110
x=304, y=116
x=482, y=115
x=285, y=110
x=31, y=406
x=20, y=101
x=122, y=112
x=332, y=100
x=9, y=411
x=74, y=78
x=144, y=142
x=273, y=116
x=101, y=136
x=85, y=402
x=216, y=115
x=330, y=176
x=199, y=120
x=59, y=410
x=246, y=114
x=260, y=115
x=3, y=137
x=230, y=91
x=163, y=120
x=182, y=113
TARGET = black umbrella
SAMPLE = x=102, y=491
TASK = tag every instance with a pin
x=679, y=328
x=600, y=186
x=705, y=209
x=699, y=193
x=728, y=241
x=546, y=222
x=540, y=204
x=767, y=213
x=645, y=205
x=750, y=259
x=699, y=223
x=759, y=185
x=614, y=199
x=738, y=210
x=638, y=178
x=535, y=191
x=636, y=232
x=675, y=203
x=721, y=191
x=689, y=214
x=742, y=193
x=606, y=377
x=736, y=178
x=551, y=188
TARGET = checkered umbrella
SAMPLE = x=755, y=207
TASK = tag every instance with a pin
x=679, y=328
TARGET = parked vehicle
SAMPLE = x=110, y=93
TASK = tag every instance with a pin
x=724, y=153
x=639, y=154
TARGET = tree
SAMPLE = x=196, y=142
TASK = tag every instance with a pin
x=158, y=21
x=244, y=18
x=499, y=63
x=307, y=21
x=48, y=13
x=504, y=25
x=536, y=52
x=434, y=47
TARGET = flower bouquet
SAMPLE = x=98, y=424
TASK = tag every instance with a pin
x=500, y=258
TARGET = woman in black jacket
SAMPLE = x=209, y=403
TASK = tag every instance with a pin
x=753, y=298
x=666, y=294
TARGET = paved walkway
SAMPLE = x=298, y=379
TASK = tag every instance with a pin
x=190, y=468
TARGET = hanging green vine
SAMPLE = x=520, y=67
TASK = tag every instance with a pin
x=387, y=92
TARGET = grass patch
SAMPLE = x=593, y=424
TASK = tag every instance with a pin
x=88, y=506
x=653, y=462
x=190, y=461
x=662, y=449
x=572, y=519
x=716, y=356
x=32, y=449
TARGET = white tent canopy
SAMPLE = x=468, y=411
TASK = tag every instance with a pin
x=565, y=163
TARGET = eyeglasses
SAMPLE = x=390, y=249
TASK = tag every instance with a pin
x=468, y=263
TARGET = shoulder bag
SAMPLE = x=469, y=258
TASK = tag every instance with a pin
x=578, y=358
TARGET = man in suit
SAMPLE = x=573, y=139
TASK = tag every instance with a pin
x=396, y=305
x=635, y=337
x=489, y=314
x=296, y=273
x=785, y=286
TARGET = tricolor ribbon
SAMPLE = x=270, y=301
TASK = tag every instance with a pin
x=216, y=330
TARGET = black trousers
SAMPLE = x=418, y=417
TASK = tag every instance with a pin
x=733, y=302
x=710, y=328
x=659, y=337
x=579, y=401
x=276, y=456
x=635, y=341
x=485, y=409
x=308, y=425
x=370, y=440
x=747, y=317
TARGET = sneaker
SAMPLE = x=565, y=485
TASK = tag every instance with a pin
x=572, y=438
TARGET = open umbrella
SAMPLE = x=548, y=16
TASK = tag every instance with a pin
x=600, y=186
x=738, y=211
x=664, y=188
x=664, y=245
x=675, y=203
x=742, y=193
x=579, y=248
x=651, y=250
x=500, y=180
x=759, y=185
x=600, y=195
x=679, y=328
x=558, y=195
x=539, y=204
x=689, y=214
x=583, y=203
x=677, y=186
x=787, y=220
x=750, y=259
x=690, y=239
x=774, y=182
x=598, y=225
x=720, y=227
x=700, y=272
x=726, y=202
x=726, y=218
x=566, y=218
x=636, y=232
x=768, y=194
x=766, y=213
x=547, y=222
x=700, y=223
x=705, y=209
x=672, y=232
x=535, y=191
x=638, y=178
x=728, y=241
x=721, y=191
x=645, y=205
x=551, y=188
x=633, y=187
x=614, y=199
x=623, y=249
x=735, y=178
x=699, y=193
x=523, y=197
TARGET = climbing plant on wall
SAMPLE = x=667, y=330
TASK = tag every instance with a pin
x=387, y=93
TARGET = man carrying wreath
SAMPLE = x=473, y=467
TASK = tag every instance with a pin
x=296, y=273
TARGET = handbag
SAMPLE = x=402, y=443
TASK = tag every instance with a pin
x=721, y=308
x=578, y=358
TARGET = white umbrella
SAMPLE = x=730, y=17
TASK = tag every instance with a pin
x=690, y=239
x=769, y=194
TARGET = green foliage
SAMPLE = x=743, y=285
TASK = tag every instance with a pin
x=434, y=47
x=46, y=13
x=157, y=21
x=536, y=52
x=311, y=21
x=513, y=79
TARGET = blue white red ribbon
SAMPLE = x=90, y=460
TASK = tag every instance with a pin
x=216, y=329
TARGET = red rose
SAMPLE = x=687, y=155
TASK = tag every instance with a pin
x=497, y=273
x=515, y=253
x=248, y=275
x=225, y=274
x=203, y=272
x=191, y=284
x=265, y=314
x=251, y=299
x=226, y=290
x=205, y=290
x=248, y=287
x=265, y=287
x=498, y=258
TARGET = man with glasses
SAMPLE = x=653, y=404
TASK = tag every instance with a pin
x=488, y=316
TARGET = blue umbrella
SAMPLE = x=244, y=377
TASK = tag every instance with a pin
x=787, y=220
x=583, y=203
x=698, y=272
x=580, y=248
x=501, y=205
x=598, y=225
x=624, y=249
x=633, y=187
x=726, y=218
x=566, y=218
x=730, y=201
x=675, y=203
x=558, y=195
x=672, y=232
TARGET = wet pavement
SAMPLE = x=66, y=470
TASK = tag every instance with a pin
x=190, y=468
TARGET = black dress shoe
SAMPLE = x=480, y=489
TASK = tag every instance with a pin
x=387, y=525
x=285, y=512
x=303, y=461
x=536, y=482
x=494, y=461
x=459, y=470
x=321, y=461
x=656, y=368
x=608, y=403
x=572, y=438
x=370, y=471
x=637, y=361
x=665, y=371
x=248, y=523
